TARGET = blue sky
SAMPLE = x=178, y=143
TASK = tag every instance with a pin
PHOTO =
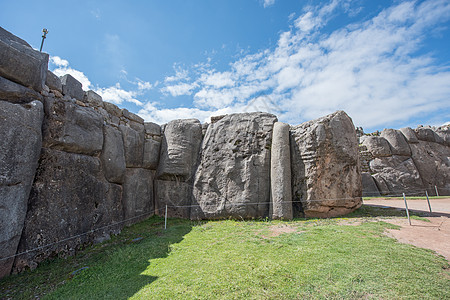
x=386, y=63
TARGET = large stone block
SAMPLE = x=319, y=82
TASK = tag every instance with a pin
x=233, y=177
x=112, y=156
x=370, y=188
x=20, y=136
x=280, y=173
x=69, y=200
x=410, y=135
x=21, y=63
x=138, y=202
x=152, y=128
x=72, y=128
x=53, y=81
x=93, y=99
x=151, y=154
x=180, y=149
x=377, y=146
x=72, y=87
x=399, y=173
x=133, y=142
x=176, y=195
x=433, y=163
x=397, y=141
x=16, y=93
x=326, y=178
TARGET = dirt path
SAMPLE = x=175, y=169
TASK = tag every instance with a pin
x=434, y=235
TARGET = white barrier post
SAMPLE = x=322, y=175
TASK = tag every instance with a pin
x=165, y=219
x=437, y=193
x=429, y=206
x=406, y=206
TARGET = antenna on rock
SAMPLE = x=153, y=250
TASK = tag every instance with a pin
x=44, y=35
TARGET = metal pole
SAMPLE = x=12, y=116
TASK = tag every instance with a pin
x=407, y=211
x=44, y=35
x=165, y=219
x=437, y=193
x=429, y=205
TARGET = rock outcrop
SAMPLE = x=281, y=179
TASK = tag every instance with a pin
x=417, y=161
x=326, y=178
x=233, y=179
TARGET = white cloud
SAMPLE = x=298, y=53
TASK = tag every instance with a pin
x=268, y=3
x=371, y=69
x=62, y=68
x=59, y=62
x=117, y=95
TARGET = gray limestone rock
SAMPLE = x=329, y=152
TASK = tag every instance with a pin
x=16, y=93
x=378, y=146
x=138, y=202
x=21, y=63
x=370, y=188
x=133, y=142
x=72, y=128
x=152, y=128
x=433, y=163
x=233, y=177
x=176, y=195
x=112, y=109
x=179, y=149
x=72, y=87
x=397, y=141
x=131, y=116
x=443, y=134
x=382, y=185
x=280, y=173
x=410, y=135
x=112, y=156
x=20, y=146
x=53, y=82
x=69, y=198
x=93, y=99
x=151, y=154
x=399, y=173
x=326, y=178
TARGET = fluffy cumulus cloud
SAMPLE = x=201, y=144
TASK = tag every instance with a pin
x=268, y=3
x=61, y=68
x=371, y=69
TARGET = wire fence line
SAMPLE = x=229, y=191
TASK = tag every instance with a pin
x=158, y=210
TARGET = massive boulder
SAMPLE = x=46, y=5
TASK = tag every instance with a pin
x=370, y=188
x=72, y=87
x=326, y=179
x=399, y=173
x=70, y=204
x=72, y=128
x=112, y=156
x=133, y=142
x=179, y=150
x=397, y=141
x=377, y=146
x=433, y=164
x=280, y=173
x=20, y=146
x=138, y=202
x=21, y=63
x=16, y=93
x=233, y=177
x=176, y=195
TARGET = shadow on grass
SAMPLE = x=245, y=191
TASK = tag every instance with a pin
x=111, y=270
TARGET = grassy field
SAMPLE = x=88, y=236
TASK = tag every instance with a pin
x=342, y=258
x=407, y=198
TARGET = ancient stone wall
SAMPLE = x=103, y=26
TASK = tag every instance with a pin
x=75, y=169
x=409, y=161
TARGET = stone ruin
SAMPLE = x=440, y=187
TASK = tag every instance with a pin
x=75, y=169
x=406, y=161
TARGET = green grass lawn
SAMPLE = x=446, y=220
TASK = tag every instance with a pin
x=317, y=259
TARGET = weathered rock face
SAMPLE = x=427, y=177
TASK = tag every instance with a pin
x=233, y=178
x=377, y=146
x=72, y=87
x=53, y=82
x=176, y=195
x=20, y=136
x=20, y=63
x=69, y=197
x=420, y=161
x=325, y=166
x=112, y=156
x=179, y=150
x=16, y=93
x=280, y=173
x=370, y=187
x=138, y=202
x=72, y=128
x=133, y=142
